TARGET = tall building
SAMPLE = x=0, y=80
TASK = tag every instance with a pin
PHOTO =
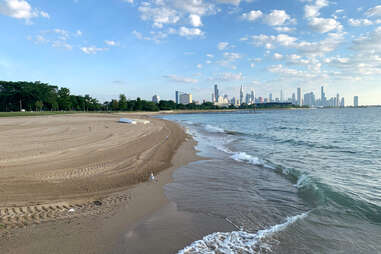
x=281, y=95
x=185, y=98
x=216, y=92
x=323, y=99
x=213, y=98
x=299, y=101
x=177, y=97
x=156, y=99
x=271, y=97
x=309, y=99
x=252, y=96
x=337, y=100
x=248, y=99
x=241, y=94
x=356, y=101
x=293, y=98
x=342, y=103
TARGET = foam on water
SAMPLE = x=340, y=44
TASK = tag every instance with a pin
x=237, y=241
x=242, y=156
x=212, y=128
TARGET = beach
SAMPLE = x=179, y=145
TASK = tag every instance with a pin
x=74, y=183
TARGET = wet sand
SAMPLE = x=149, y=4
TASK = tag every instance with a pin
x=69, y=184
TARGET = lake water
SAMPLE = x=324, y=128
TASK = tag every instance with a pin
x=288, y=181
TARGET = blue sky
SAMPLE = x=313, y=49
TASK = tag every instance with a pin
x=141, y=48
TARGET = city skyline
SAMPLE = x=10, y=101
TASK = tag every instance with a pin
x=139, y=48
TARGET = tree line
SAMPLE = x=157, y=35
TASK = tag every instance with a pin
x=38, y=96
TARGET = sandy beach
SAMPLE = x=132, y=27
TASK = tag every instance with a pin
x=73, y=183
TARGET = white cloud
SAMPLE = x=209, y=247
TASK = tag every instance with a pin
x=360, y=22
x=190, y=32
x=284, y=29
x=199, y=66
x=223, y=45
x=271, y=41
x=78, y=33
x=179, y=79
x=369, y=42
x=210, y=55
x=278, y=56
x=195, y=20
x=311, y=11
x=226, y=77
x=276, y=18
x=317, y=23
x=252, y=15
x=324, y=25
x=159, y=15
x=111, y=43
x=129, y=1
x=20, y=9
x=374, y=12
x=92, y=50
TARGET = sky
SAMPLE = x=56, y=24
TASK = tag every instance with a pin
x=146, y=47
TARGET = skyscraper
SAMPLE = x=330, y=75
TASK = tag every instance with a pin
x=270, y=97
x=356, y=101
x=177, y=97
x=156, y=99
x=185, y=98
x=322, y=98
x=299, y=101
x=216, y=92
x=281, y=95
x=293, y=98
x=252, y=96
x=337, y=100
x=342, y=103
x=241, y=94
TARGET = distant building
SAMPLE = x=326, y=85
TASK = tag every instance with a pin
x=299, y=101
x=216, y=92
x=156, y=98
x=281, y=95
x=185, y=98
x=260, y=100
x=323, y=99
x=252, y=96
x=309, y=99
x=293, y=98
x=356, y=101
x=342, y=103
x=177, y=100
x=241, y=94
x=337, y=100
x=271, y=97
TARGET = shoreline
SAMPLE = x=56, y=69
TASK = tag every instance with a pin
x=99, y=230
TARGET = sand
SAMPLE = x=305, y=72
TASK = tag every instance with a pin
x=69, y=183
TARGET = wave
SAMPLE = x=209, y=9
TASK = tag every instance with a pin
x=244, y=157
x=212, y=128
x=238, y=241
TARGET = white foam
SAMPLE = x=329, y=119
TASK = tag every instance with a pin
x=302, y=181
x=212, y=128
x=242, y=156
x=237, y=241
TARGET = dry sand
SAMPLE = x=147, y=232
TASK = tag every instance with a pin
x=52, y=165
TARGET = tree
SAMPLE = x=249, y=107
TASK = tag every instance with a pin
x=64, y=99
x=114, y=105
x=39, y=105
x=122, y=102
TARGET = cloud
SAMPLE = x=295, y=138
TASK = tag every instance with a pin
x=226, y=77
x=223, y=45
x=360, y=22
x=369, y=42
x=199, y=66
x=324, y=25
x=179, y=79
x=20, y=9
x=190, y=32
x=92, y=50
x=276, y=18
x=111, y=43
x=195, y=20
x=374, y=12
x=317, y=23
x=129, y=1
x=252, y=15
x=278, y=56
x=284, y=29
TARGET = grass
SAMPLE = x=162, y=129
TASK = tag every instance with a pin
x=42, y=113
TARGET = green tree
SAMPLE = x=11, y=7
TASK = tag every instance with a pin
x=122, y=102
x=39, y=105
x=64, y=99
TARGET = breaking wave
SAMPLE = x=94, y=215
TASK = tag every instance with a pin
x=238, y=241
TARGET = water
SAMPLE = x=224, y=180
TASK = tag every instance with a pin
x=289, y=181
